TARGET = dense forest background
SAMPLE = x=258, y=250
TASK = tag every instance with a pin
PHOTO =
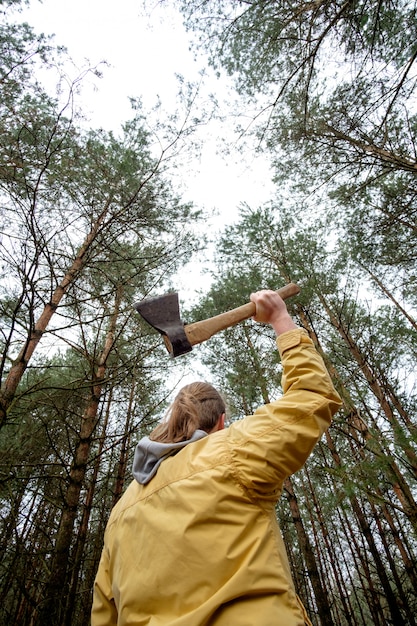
x=91, y=221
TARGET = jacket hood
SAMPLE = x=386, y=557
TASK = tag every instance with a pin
x=150, y=454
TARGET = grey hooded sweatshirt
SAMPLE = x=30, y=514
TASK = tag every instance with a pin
x=150, y=454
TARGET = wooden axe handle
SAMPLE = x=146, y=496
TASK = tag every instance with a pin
x=203, y=330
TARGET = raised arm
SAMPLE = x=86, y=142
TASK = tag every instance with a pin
x=276, y=441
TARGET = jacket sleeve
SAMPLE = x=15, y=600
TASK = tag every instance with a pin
x=104, y=612
x=275, y=442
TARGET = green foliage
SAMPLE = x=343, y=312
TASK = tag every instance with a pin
x=333, y=89
x=280, y=43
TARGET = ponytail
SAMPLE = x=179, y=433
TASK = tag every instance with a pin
x=197, y=406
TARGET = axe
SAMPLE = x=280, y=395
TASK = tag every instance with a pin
x=162, y=312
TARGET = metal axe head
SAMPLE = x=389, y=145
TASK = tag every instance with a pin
x=163, y=313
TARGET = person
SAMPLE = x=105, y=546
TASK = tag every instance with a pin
x=194, y=540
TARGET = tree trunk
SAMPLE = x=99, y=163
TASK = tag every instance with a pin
x=391, y=296
x=320, y=595
x=329, y=551
x=83, y=530
x=367, y=532
x=124, y=450
x=51, y=610
x=20, y=364
x=372, y=379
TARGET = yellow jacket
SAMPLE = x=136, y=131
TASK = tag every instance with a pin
x=199, y=544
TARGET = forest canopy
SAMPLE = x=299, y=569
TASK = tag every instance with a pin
x=91, y=220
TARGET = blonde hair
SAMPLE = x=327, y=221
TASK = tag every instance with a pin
x=197, y=406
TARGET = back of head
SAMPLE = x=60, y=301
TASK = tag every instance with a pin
x=197, y=406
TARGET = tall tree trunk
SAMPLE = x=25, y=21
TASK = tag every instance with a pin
x=329, y=555
x=404, y=545
x=320, y=595
x=83, y=530
x=363, y=572
x=373, y=380
x=51, y=609
x=356, y=423
x=402, y=595
x=391, y=296
x=124, y=450
x=20, y=364
x=367, y=532
x=394, y=476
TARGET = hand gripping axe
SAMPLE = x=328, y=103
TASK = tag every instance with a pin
x=162, y=312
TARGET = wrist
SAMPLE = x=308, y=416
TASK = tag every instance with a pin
x=282, y=324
